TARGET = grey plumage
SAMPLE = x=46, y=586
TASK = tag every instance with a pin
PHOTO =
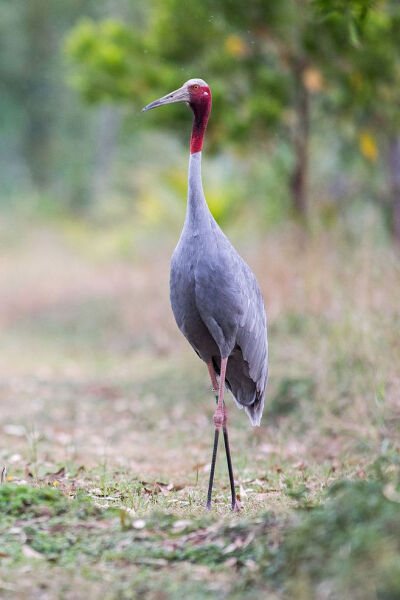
x=217, y=302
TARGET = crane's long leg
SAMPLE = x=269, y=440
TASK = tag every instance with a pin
x=211, y=481
x=213, y=377
x=235, y=506
x=220, y=420
x=219, y=415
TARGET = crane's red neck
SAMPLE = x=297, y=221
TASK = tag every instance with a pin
x=200, y=103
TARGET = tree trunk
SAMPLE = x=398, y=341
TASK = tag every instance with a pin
x=298, y=183
x=108, y=120
x=394, y=175
x=37, y=91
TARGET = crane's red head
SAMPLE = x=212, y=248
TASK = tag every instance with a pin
x=197, y=95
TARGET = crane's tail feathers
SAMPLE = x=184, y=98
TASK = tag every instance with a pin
x=237, y=401
x=255, y=411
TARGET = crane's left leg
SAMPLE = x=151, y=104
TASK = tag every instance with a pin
x=235, y=504
x=213, y=377
x=220, y=420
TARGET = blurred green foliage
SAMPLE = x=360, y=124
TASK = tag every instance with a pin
x=291, y=391
x=105, y=51
x=349, y=544
x=269, y=61
x=286, y=78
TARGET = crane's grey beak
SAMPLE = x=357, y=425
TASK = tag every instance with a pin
x=181, y=95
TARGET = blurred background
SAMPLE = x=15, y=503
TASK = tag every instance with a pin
x=305, y=120
x=301, y=168
x=302, y=154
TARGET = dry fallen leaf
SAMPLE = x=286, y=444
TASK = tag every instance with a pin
x=251, y=564
x=139, y=524
x=181, y=525
x=390, y=492
x=199, y=466
x=30, y=552
x=57, y=475
x=243, y=493
x=15, y=430
x=230, y=562
x=14, y=458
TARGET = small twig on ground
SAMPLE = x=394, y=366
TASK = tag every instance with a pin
x=3, y=475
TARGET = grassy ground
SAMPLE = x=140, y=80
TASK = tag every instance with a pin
x=106, y=427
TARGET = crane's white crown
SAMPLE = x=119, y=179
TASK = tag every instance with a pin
x=195, y=82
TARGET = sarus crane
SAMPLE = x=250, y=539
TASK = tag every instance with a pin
x=215, y=297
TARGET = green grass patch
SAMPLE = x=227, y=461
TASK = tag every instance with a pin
x=349, y=544
x=24, y=500
x=291, y=391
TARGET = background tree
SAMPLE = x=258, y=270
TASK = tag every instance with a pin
x=278, y=71
x=266, y=61
x=44, y=127
x=366, y=88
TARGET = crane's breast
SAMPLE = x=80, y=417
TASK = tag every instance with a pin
x=183, y=302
